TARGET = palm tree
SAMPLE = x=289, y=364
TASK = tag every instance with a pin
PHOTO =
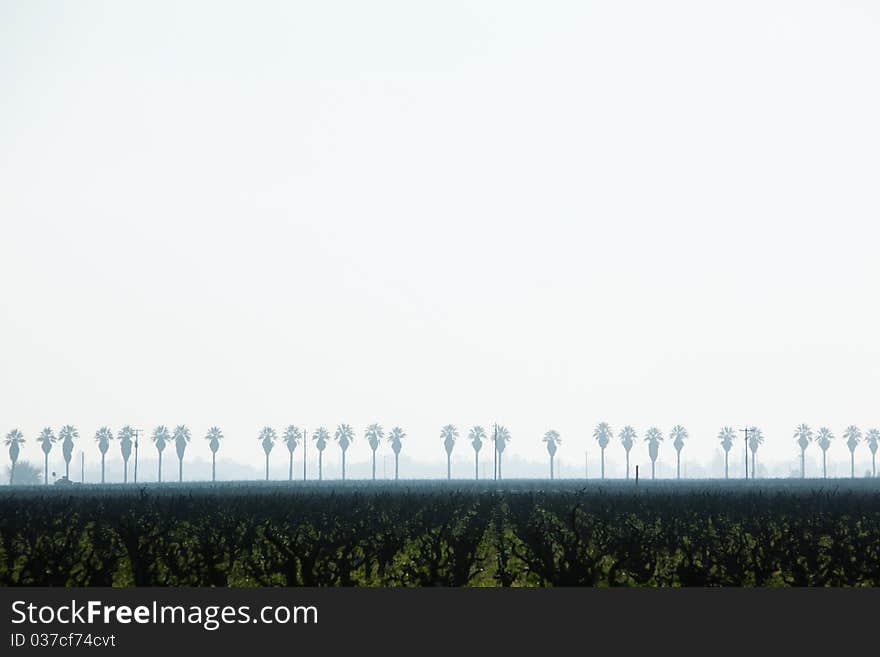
x=47, y=440
x=374, y=434
x=161, y=438
x=804, y=436
x=103, y=437
x=214, y=436
x=678, y=435
x=653, y=437
x=182, y=437
x=726, y=436
x=321, y=436
x=396, y=439
x=603, y=436
x=125, y=443
x=477, y=435
x=449, y=433
x=292, y=437
x=501, y=438
x=14, y=439
x=67, y=435
x=873, y=440
x=268, y=437
x=552, y=439
x=823, y=439
x=756, y=438
x=628, y=438
x=853, y=436
x=344, y=436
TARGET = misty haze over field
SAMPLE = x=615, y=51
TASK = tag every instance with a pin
x=420, y=214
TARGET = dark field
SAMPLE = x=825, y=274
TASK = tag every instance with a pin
x=515, y=533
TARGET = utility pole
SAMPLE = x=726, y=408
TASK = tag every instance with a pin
x=137, y=434
x=82, y=467
x=746, y=432
x=586, y=464
x=305, y=442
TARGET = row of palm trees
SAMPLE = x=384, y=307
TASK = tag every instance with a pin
x=293, y=436
x=823, y=437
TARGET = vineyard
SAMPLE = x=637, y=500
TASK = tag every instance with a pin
x=797, y=533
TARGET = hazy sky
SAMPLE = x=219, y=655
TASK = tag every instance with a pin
x=545, y=215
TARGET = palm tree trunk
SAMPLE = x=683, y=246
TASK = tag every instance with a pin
x=374, y=465
x=46, y=468
x=499, y=466
x=343, y=465
x=824, y=469
x=448, y=465
x=320, y=465
x=124, y=471
x=267, y=466
x=627, y=465
x=160, y=466
x=476, y=465
x=873, y=464
x=66, y=469
x=180, y=470
x=652, y=469
x=290, y=468
x=396, y=456
x=102, y=467
x=213, y=466
x=12, y=473
x=603, y=463
x=753, y=465
x=678, y=464
x=551, y=467
x=726, y=470
x=802, y=464
x=852, y=464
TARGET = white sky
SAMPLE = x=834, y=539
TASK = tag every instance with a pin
x=419, y=213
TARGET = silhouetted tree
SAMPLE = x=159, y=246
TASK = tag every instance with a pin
x=47, y=440
x=653, y=437
x=161, y=436
x=449, y=433
x=477, y=435
x=13, y=441
x=182, y=436
x=756, y=439
x=552, y=439
x=501, y=438
x=627, y=439
x=26, y=474
x=823, y=439
x=374, y=435
x=872, y=437
x=726, y=436
x=125, y=436
x=396, y=439
x=292, y=437
x=344, y=436
x=267, y=440
x=67, y=435
x=103, y=437
x=853, y=436
x=678, y=435
x=321, y=436
x=603, y=436
x=804, y=436
x=214, y=436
